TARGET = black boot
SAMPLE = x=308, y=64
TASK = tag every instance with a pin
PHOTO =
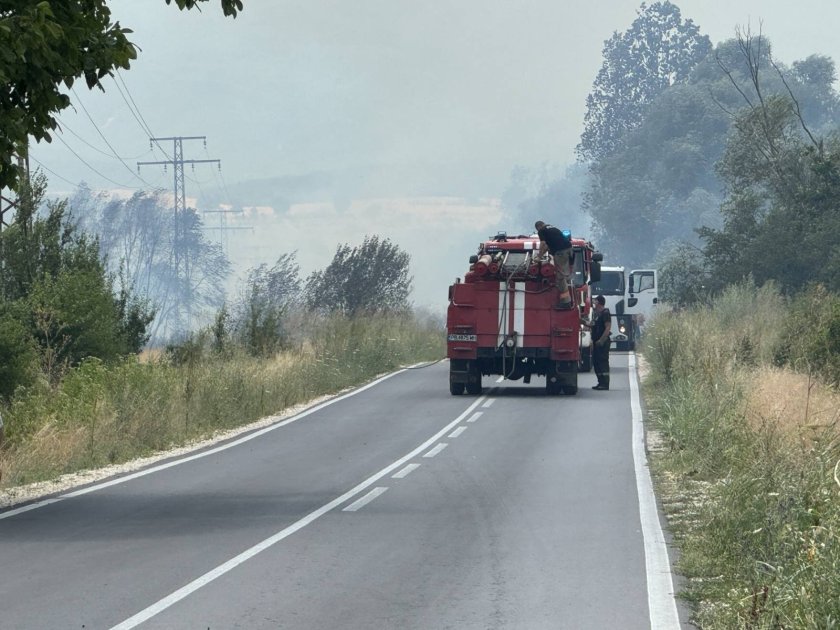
x=603, y=382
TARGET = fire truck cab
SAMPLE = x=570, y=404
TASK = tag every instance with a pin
x=503, y=319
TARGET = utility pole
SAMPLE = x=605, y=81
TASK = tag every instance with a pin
x=224, y=228
x=8, y=204
x=177, y=161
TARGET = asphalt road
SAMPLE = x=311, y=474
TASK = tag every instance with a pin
x=398, y=506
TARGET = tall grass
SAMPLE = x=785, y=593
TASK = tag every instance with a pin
x=103, y=414
x=750, y=464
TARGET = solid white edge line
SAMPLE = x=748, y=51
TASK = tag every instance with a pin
x=360, y=503
x=662, y=604
x=437, y=449
x=458, y=431
x=173, y=598
x=184, y=460
x=405, y=471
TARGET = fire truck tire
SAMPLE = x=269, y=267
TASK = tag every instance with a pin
x=570, y=390
x=456, y=389
x=552, y=388
x=474, y=388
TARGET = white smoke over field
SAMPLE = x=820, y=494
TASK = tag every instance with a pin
x=440, y=233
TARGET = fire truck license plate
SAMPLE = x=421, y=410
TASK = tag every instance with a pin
x=463, y=338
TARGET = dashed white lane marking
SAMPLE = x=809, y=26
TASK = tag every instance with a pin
x=660, y=586
x=183, y=592
x=475, y=416
x=458, y=431
x=370, y=496
x=489, y=402
x=405, y=471
x=437, y=449
x=212, y=451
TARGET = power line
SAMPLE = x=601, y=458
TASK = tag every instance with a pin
x=221, y=179
x=139, y=115
x=49, y=170
x=64, y=127
x=105, y=140
x=105, y=177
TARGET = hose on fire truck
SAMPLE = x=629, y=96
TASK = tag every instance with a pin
x=505, y=373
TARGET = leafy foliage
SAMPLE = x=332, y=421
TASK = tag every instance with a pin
x=56, y=287
x=46, y=46
x=658, y=51
x=373, y=277
x=166, y=259
x=684, y=276
x=782, y=209
x=18, y=358
x=270, y=293
x=811, y=335
x=662, y=184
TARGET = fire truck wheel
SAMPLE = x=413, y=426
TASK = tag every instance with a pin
x=456, y=389
x=474, y=388
x=570, y=390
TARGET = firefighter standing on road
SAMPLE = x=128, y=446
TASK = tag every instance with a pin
x=601, y=324
x=559, y=245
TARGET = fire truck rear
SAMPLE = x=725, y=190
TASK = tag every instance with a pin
x=503, y=318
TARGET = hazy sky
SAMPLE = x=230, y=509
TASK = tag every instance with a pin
x=459, y=89
x=412, y=106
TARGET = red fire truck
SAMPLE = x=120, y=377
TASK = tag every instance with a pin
x=503, y=318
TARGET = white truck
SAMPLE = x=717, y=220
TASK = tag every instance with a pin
x=630, y=299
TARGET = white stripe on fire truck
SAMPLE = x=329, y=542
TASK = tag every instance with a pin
x=503, y=315
x=519, y=314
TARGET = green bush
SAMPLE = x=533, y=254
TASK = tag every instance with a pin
x=18, y=358
x=810, y=336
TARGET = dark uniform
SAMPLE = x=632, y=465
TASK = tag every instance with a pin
x=601, y=354
x=560, y=247
x=554, y=238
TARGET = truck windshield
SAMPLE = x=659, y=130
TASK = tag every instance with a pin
x=611, y=283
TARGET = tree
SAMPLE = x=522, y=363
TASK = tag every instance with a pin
x=662, y=183
x=18, y=358
x=175, y=267
x=45, y=46
x=56, y=285
x=782, y=207
x=370, y=278
x=270, y=293
x=657, y=51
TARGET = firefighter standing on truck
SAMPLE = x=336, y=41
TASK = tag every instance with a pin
x=601, y=324
x=559, y=245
